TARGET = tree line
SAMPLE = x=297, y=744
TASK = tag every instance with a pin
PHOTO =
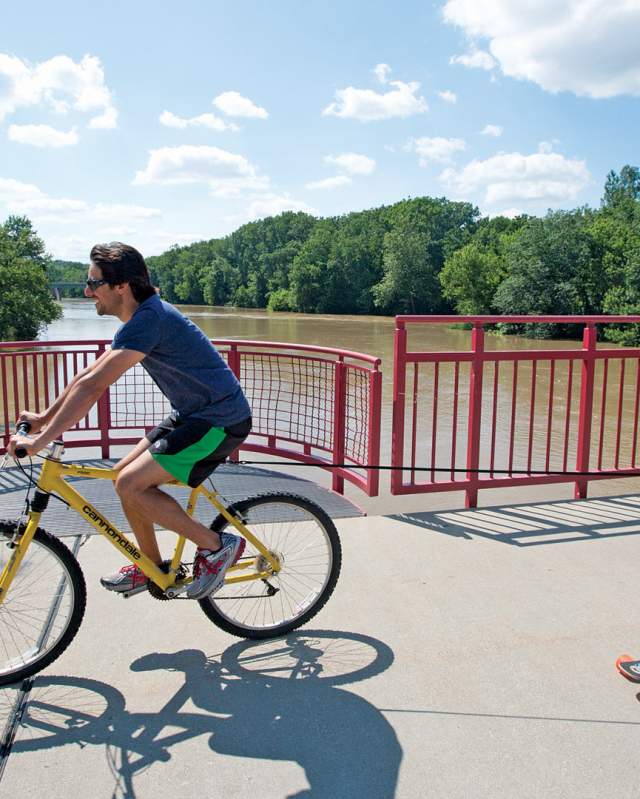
x=424, y=256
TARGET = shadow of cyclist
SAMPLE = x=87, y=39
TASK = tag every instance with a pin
x=282, y=703
x=275, y=700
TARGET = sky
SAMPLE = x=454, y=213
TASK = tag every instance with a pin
x=158, y=123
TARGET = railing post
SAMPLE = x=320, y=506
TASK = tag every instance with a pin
x=475, y=415
x=399, y=388
x=233, y=362
x=589, y=339
x=104, y=413
x=373, y=453
x=339, y=421
x=4, y=384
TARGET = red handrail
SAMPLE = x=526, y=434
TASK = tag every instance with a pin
x=521, y=422
x=313, y=404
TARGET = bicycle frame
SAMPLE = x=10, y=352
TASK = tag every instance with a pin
x=52, y=480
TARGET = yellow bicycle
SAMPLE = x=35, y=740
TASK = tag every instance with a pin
x=288, y=571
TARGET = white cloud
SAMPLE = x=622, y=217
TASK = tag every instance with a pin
x=155, y=242
x=352, y=163
x=106, y=121
x=60, y=84
x=106, y=211
x=491, y=130
x=448, y=96
x=230, y=188
x=26, y=198
x=274, y=204
x=42, y=135
x=543, y=179
x=195, y=164
x=382, y=71
x=367, y=106
x=170, y=120
x=234, y=104
x=588, y=47
x=149, y=242
x=117, y=233
x=329, y=183
x=510, y=213
x=436, y=149
x=475, y=59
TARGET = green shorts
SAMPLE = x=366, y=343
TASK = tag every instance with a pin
x=190, y=450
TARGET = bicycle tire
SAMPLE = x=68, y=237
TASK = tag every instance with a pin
x=246, y=609
x=44, y=607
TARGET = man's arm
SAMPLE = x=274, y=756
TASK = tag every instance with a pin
x=78, y=397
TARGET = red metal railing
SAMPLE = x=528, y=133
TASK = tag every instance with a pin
x=312, y=404
x=486, y=418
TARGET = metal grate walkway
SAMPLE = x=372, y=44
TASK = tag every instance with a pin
x=232, y=481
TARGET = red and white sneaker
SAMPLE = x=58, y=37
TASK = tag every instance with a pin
x=128, y=578
x=210, y=567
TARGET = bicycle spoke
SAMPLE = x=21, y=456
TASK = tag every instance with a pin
x=28, y=627
x=299, y=539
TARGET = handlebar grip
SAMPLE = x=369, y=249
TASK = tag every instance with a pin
x=22, y=428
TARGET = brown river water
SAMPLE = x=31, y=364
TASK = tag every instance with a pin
x=374, y=335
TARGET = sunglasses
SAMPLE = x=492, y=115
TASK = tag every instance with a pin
x=93, y=283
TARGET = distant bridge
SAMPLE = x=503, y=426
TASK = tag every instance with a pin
x=55, y=287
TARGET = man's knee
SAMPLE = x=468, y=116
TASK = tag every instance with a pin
x=129, y=484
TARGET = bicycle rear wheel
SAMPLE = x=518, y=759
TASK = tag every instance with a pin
x=44, y=606
x=306, y=543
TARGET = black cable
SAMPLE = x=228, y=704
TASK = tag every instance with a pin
x=441, y=469
x=33, y=482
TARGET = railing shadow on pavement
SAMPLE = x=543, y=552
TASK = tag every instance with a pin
x=538, y=523
x=275, y=700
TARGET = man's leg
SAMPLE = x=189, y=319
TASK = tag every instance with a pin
x=137, y=486
x=141, y=525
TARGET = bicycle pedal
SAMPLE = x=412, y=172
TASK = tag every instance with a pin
x=133, y=592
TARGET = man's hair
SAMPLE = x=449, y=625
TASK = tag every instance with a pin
x=121, y=263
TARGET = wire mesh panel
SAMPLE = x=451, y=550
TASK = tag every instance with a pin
x=136, y=402
x=32, y=374
x=291, y=398
x=308, y=403
x=359, y=399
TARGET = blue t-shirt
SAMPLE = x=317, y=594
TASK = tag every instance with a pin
x=183, y=363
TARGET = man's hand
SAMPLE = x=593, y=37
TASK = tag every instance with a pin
x=36, y=420
x=26, y=442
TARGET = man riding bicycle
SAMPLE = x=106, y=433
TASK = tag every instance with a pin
x=210, y=415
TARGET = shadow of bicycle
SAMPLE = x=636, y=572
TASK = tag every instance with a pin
x=276, y=700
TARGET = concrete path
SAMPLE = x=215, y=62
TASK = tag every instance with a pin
x=464, y=654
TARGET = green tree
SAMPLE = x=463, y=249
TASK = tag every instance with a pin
x=422, y=233
x=27, y=303
x=553, y=268
x=220, y=281
x=619, y=189
x=616, y=229
x=339, y=264
x=68, y=272
x=472, y=274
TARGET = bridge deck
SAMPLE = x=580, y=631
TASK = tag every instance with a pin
x=232, y=481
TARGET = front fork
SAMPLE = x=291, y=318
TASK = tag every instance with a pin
x=19, y=544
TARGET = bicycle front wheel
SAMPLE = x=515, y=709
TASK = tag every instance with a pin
x=43, y=608
x=305, y=541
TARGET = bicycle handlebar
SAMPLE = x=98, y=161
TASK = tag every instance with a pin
x=22, y=428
